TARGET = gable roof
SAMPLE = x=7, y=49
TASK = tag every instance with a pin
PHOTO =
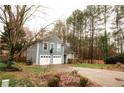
x=47, y=37
x=53, y=38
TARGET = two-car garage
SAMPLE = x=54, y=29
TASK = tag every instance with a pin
x=50, y=59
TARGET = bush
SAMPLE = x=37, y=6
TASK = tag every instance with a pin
x=83, y=81
x=57, y=76
x=68, y=79
x=115, y=59
x=29, y=62
x=110, y=60
x=13, y=67
x=2, y=66
x=70, y=61
x=120, y=58
x=74, y=72
x=54, y=82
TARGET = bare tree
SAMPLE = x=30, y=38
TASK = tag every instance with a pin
x=13, y=19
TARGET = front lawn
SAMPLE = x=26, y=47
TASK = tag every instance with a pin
x=36, y=69
x=40, y=76
x=24, y=78
x=99, y=66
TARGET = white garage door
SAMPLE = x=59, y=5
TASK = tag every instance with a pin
x=46, y=59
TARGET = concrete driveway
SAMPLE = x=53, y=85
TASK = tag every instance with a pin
x=105, y=78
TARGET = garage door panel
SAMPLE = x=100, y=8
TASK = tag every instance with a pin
x=57, y=59
x=45, y=59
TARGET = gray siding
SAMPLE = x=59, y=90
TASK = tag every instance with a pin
x=54, y=40
x=47, y=52
x=31, y=53
x=37, y=49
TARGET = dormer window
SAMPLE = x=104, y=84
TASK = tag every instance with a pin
x=52, y=47
x=45, y=46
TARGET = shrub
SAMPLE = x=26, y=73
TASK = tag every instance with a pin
x=83, y=81
x=57, y=76
x=54, y=82
x=74, y=72
x=29, y=62
x=120, y=58
x=17, y=67
x=67, y=80
x=70, y=61
x=110, y=60
x=115, y=59
x=2, y=66
x=118, y=64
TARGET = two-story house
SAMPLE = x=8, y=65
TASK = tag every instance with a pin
x=50, y=50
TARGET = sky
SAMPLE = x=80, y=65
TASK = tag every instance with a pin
x=54, y=10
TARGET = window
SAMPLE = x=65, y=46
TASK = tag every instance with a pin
x=58, y=47
x=45, y=47
x=52, y=45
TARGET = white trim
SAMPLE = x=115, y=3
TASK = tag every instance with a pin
x=37, y=53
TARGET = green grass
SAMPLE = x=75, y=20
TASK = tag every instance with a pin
x=22, y=78
x=2, y=65
x=36, y=69
x=91, y=65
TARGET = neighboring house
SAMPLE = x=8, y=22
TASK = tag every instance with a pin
x=50, y=50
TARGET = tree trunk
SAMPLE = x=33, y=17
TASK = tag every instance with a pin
x=92, y=39
x=11, y=56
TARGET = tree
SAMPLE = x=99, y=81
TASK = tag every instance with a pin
x=104, y=48
x=118, y=27
x=60, y=30
x=93, y=14
x=105, y=14
x=13, y=19
x=75, y=24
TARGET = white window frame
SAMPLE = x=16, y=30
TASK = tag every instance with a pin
x=53, y=46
